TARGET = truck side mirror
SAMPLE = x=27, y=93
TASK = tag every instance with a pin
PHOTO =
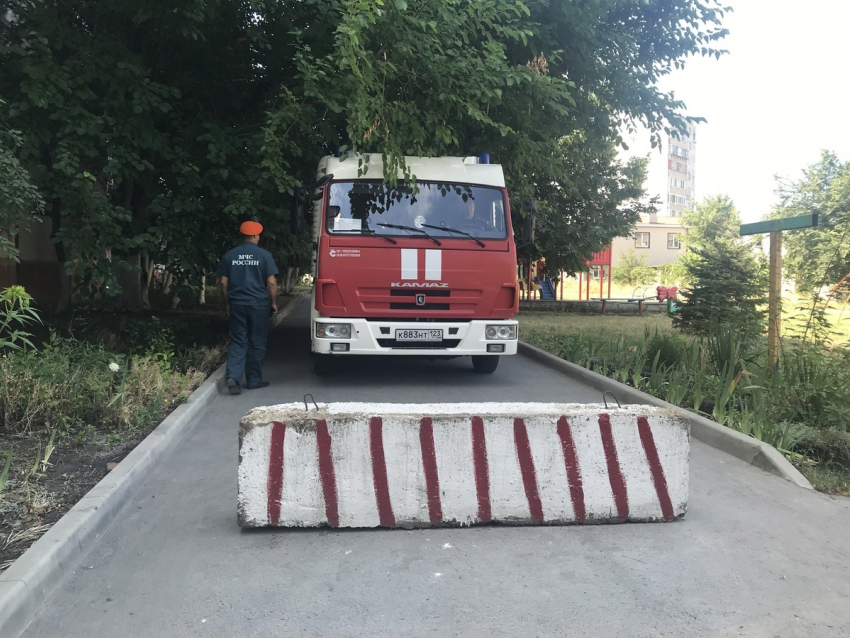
x=301, y=204
x=529, y=222
x=298, y=218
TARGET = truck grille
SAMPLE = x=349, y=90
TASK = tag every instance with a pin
x=419, y=345
x=382, y=300
x=410, y=300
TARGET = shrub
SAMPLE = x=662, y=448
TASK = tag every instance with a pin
x=72, y=385
x=669, y=348
x=16, y=313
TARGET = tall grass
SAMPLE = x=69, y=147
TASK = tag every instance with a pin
x=71, y=385
x=803, y=410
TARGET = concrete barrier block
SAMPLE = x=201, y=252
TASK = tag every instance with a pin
x=419, y=465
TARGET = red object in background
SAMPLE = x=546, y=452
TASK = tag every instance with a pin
x=601, y=259
x=666, y=293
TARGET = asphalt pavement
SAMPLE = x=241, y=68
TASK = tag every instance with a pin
x=754, y=556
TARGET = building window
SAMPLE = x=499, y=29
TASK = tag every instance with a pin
x=674, y=241
x=677, y=199
x=641, y=240
x=594, y=272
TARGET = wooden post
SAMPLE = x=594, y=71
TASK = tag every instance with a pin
x=579, y=285
x=601, y=279
x=609, y=281
x=774, y=300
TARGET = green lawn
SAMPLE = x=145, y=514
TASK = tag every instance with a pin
x=570, y=323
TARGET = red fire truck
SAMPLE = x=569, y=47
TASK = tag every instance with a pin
x=425, y=268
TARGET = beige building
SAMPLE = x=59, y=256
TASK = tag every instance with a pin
x=659, y=239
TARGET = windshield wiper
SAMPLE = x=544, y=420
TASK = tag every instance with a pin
x=367, y=231
x=414, y=229
x=459, y=232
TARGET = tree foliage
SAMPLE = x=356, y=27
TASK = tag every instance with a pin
x=632, y=270
x=818, y=256
x=152, y=128
x=727, y=280
x=19, y=197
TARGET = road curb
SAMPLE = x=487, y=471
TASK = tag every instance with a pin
x=33, y=577
x=748, y=449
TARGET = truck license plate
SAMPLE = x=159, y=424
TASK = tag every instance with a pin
x=418, y=335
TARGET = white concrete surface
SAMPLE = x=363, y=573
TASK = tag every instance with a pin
x=510, y=492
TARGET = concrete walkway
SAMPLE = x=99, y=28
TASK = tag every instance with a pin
x=754, y=556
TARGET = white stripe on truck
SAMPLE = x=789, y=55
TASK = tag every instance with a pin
x=433, y=265
x=409, y=263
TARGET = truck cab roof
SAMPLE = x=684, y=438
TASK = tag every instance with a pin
x=455, y=170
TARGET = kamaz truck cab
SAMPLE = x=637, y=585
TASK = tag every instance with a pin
x=425, y=268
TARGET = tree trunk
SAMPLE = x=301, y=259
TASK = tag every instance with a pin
x=169, y=279
x=202, y=298
x=147, y=273
x=64, y=301
x=130, y=280
x=291, y=278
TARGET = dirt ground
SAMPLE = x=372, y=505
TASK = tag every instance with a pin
x=37, y=494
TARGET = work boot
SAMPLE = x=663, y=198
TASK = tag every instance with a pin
x=263, y=384
x=233, y=386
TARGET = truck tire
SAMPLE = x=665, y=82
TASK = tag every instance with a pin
x=485, y=363
x=323, y=365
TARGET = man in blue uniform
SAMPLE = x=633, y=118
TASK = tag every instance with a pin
x=250, y=288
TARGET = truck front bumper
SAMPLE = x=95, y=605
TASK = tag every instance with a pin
x=460, y=338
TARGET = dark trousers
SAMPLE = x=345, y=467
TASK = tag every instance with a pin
x=249, y=327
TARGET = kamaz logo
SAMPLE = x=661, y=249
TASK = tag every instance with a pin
x=418, y=284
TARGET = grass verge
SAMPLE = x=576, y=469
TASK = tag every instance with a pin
x=803, y=410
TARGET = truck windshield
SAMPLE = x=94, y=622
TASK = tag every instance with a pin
x=366, y=205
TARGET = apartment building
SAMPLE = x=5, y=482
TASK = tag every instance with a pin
x=658, y=238
x=679, y=154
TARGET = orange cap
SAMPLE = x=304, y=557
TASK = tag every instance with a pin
x=251, y=228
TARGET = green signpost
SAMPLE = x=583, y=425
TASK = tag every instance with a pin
x=774, y=293
x=773, y=225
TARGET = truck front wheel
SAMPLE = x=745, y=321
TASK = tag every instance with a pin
x=485, y=363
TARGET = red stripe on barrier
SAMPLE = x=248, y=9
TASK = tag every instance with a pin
x=573, y=470
x=379, y=472
x=658, y=478
x=526, y=466
x=429, y=464
x=326, y=472
x=482, y=470
x=615, y=476
x=274, y=485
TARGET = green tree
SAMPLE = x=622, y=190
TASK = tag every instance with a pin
x=727, y=279
x=19, y=196
x=632, y=270
x=152, y=127
x=818, y=256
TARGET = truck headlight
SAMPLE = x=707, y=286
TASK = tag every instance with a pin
x=333, y=330
x=500, y=332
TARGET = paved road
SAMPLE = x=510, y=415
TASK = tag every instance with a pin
x=755, y=555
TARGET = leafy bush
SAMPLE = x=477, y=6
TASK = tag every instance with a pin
x=72, y=384
x=15, y=313
x=829, y=446
x=668, y=347
x=631, y=269
x=803, y=409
